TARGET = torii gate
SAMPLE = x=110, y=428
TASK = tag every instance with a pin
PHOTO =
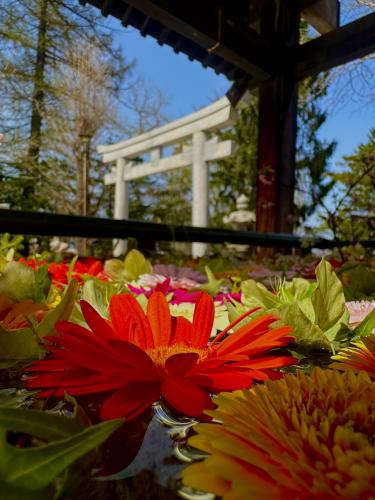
x=194, y=128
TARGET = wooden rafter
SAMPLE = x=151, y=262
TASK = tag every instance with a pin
x=324, y=15
x=210, y=28
x=352, y=41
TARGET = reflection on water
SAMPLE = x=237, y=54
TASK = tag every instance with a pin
x=163, y=453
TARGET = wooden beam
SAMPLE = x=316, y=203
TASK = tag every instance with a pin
x=208, y=26
x=301, y=5
x=238, y=89
x=323, y=16
x=352, y=41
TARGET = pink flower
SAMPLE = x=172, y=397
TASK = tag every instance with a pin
x=221, y=297
x=178, y=295
x=152, y=280
x=358, y=310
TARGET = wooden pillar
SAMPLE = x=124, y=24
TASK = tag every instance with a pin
x=277, y=127
x=199, y=189
x=121, y=204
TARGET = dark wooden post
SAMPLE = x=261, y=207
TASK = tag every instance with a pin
x=277, y=124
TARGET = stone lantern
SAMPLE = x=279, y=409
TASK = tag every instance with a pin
x=241, y=219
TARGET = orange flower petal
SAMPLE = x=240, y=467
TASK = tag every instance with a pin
x=160, y=319
x=204, y=314
x=123, y=306
x=223, y=381
x=181, y=331
x=266, y=362
x=130, y=401
x=69, y=327
x=184, y=396
x=96, y=322
x=133, y=355
x=247, y=334
x=87, y=352
x=180, y=364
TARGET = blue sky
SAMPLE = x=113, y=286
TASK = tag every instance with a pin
x=189, y=86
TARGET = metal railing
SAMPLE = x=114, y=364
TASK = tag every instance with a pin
x=50, y=224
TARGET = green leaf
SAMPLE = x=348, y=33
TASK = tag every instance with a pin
x=366, y=327
x=136, y=264
x=307, y=333
x=97, y=293
x=14, y=398
x=71, y=267
x=33, y=469
x=42, y=284
x=18, y=345
x=18, y=282
x=257, y=295
x=11, y=492
x=98, y=296
x=307, y=308
x=212, y=286
x=26, y=344
x=359, y=281
x=234, y=311
x=61, y=312
x=46, y=426
x=300, y=288
x=130, y=269
x=329, y=300
x=285, y=294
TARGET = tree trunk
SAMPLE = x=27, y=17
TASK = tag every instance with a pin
x=38, y=91
x=82, y=194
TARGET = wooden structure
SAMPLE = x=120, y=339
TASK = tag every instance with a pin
x=255, y=43
x=191, y=148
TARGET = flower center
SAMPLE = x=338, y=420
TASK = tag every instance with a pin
x=159, y=355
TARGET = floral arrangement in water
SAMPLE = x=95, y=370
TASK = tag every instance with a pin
x=98, y=353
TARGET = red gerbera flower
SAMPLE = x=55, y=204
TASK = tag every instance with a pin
x=138, y=357
x=88, y=266
x=33, y=263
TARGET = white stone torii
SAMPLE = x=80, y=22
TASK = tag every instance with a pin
x=193, y=127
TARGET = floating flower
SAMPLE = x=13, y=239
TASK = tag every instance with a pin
x=180, y=273
x=309, y=271
x=175, y=295
x=358, y=310
x=14, y=315
x=139, y=357
x=88, y=266
x=33, y=263
x=229, y=296
x=152, y=280
x=302, y=437
x=360, y=357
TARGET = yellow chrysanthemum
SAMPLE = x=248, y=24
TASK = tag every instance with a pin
x=301, y=437
x=360, y=357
